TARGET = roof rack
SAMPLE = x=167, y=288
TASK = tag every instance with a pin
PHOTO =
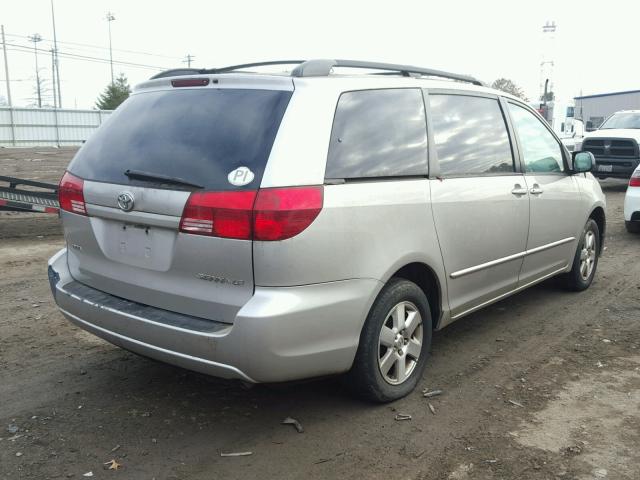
x=177, y=72
x=323, y=68
x=314, y=68
x=195, y=71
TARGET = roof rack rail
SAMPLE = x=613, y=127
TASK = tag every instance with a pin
x=322, y=68
x=195, y=71
x=176, y=72
x=315, y=68
x=250, y=65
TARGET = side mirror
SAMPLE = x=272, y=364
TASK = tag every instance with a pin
x=583, y=162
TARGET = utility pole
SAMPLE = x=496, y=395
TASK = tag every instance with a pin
x=547, y=63
x=110, y=18
x=35, y=38
x=6, y=72
x=188, y=59
x=53, y=77
x=57, y=63
x=546, y=71
x=6, y=68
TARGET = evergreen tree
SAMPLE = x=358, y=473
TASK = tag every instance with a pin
x=115, y=93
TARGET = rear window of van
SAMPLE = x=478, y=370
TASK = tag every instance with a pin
x=198, y=135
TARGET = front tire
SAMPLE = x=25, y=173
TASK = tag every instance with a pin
x=394, y=344
x=632, y=227
x=585, y=260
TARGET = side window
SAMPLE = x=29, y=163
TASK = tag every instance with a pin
x=470, y=134
x=540, y=150
x=378, y=133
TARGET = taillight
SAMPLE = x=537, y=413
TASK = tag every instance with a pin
x=281, y=213
x=70, y=194
x=219, y=214
x=634, y=181
x=267, y=215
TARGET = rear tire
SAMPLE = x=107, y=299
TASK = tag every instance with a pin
x=585, y=261
x=632, y=227
x=394, y=344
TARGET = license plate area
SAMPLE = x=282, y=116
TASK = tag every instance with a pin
x=136, y=241
x=134, y=244
x=605, y=168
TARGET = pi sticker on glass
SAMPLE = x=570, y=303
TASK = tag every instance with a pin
x=240, y=177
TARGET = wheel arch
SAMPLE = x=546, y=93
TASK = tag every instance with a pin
x=598, y=215
x=426, y=278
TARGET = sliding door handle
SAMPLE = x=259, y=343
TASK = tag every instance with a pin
x=518, y=190
x=535, y=189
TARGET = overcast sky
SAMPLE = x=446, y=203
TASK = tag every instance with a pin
x=595, y=42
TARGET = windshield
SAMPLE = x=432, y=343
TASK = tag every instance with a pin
x=198, y=136
x=622, y=120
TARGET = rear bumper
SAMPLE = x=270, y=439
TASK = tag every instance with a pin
x=280, y=334
x=632, y=204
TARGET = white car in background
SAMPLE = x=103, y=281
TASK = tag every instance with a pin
x=632, y=203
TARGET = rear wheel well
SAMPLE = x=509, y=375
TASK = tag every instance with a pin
x=426, y=279
x=599, y=218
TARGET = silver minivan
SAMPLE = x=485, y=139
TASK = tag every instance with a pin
x=274, y=227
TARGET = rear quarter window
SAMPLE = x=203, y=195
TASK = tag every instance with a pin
x=199, y=135
x=378, y=133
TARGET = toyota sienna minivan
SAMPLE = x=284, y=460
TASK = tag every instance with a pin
x=274, y=227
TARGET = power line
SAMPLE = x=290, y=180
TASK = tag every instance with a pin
x=23, y=48
x=98, y=47
x=20, y=48
x=95, y=53
x=95, y=60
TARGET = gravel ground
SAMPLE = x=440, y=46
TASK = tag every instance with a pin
x=543, y=385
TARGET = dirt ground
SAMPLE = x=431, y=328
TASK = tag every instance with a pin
x=543, y=385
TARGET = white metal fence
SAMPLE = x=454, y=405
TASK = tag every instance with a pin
x=30, y=127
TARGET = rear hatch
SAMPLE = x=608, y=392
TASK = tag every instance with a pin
x=162, y=147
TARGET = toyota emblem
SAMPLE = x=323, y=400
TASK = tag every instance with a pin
x=125, y=202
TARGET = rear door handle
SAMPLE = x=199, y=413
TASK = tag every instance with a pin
x=536, y=190
x=518, y=190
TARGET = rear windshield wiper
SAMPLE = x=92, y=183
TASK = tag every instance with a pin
x=140, y=175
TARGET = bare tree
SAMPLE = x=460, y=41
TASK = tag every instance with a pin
x=508, y=86
x=46, y=93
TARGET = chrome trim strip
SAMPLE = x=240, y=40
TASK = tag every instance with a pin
x=510, y=292
x=482, y=266
x=515, y=256
x=550, y=245
x=133, y=217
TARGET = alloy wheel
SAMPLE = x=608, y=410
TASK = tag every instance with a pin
x=400, y=343
x=588, y=255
